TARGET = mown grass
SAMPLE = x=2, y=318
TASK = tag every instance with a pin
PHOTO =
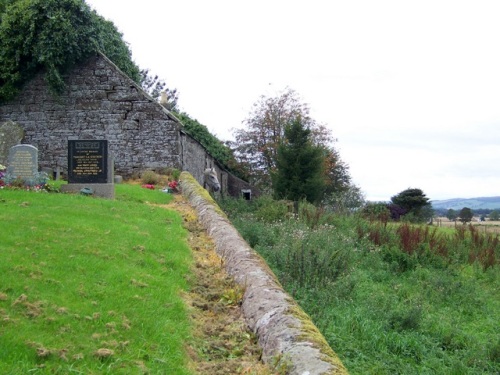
x=92, y=286
x=388, y=300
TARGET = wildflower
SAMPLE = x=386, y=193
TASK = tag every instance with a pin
x=173, y=185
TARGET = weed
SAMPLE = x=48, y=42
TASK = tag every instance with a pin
x=150, y=177
x=389, y=298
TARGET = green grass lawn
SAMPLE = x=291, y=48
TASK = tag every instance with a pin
x=92, y=286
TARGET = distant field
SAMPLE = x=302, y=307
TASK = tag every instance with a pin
x=486, y=226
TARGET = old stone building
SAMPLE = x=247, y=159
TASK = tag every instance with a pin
x=101, y=102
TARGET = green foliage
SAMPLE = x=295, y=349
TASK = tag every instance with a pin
x=256, y=147
x=215, y=147
x=3, y=6
x=465, y=215
x=377, y=211
x=402, y=305
x=415, y=203
x=299, y=166
x=494, y=215
x=150, y=177
x=52, y=36
x=451, y=214
x=269, y=210
x=347, y=200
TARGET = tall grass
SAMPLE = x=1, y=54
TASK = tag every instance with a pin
x=92, y=286
x=390, y=299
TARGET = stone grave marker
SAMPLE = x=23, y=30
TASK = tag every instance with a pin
x=88, y=161
x=90, y=168
x=23, y=162
x=11, y=134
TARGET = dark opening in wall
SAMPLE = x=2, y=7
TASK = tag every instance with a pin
x=247, y=194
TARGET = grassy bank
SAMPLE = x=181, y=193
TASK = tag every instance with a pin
x=386, y=304
x=91, y=285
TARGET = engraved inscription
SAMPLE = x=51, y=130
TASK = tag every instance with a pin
x=22, y=164
x=87, y=161
x=23, y=161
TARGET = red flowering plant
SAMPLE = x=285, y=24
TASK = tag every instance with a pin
x=173, y=185
x=36, y=183
x=2, y=174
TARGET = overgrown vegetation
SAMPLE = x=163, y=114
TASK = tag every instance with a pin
x=52, y=36
x=215, y=147
x=389, y=298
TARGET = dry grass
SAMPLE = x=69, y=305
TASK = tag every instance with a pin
x=222, y=342
x=482, y=226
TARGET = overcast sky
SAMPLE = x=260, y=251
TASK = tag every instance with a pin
x=411, y=89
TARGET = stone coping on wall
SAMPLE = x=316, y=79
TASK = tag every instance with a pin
x=286, y=334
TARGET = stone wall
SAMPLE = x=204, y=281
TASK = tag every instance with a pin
x=101, y=102
x=286, y=334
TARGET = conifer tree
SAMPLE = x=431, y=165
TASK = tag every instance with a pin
x=299, y=166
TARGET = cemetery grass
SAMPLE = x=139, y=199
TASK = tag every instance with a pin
x=383, y=310
x=94, y=286
x=91, y=285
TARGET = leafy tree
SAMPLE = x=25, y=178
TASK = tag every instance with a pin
x=376, y=211
x=52, y=36
x=465, y=215
x=415, y=203
x=3, y=6
x=299, y=166
x=494, y=215
x=155, y=86
x=265, y=130
x=451, y=214
x=396, y=211
x=336, y=172
x=345, y=201
x=256, y=146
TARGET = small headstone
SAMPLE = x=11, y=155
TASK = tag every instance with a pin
x=23, y=162
x=11, y=134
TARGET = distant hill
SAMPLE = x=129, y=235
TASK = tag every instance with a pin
x=473, y=203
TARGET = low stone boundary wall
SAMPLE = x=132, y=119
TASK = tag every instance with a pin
x=286, y=334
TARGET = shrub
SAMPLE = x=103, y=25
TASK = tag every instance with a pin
x=150, y=177
x=270, y=210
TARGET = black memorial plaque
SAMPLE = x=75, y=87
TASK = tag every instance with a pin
x=88, y=162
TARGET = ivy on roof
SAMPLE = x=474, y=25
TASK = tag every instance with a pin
x=52, y=36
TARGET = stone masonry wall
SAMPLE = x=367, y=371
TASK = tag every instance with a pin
x=100, y=102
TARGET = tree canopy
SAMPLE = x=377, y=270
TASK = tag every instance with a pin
x=451, y=214
x=465, y=215
x=494, y=215
x=52, y=36
x=414, y=203
x=299, y=166
x=256, y=146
